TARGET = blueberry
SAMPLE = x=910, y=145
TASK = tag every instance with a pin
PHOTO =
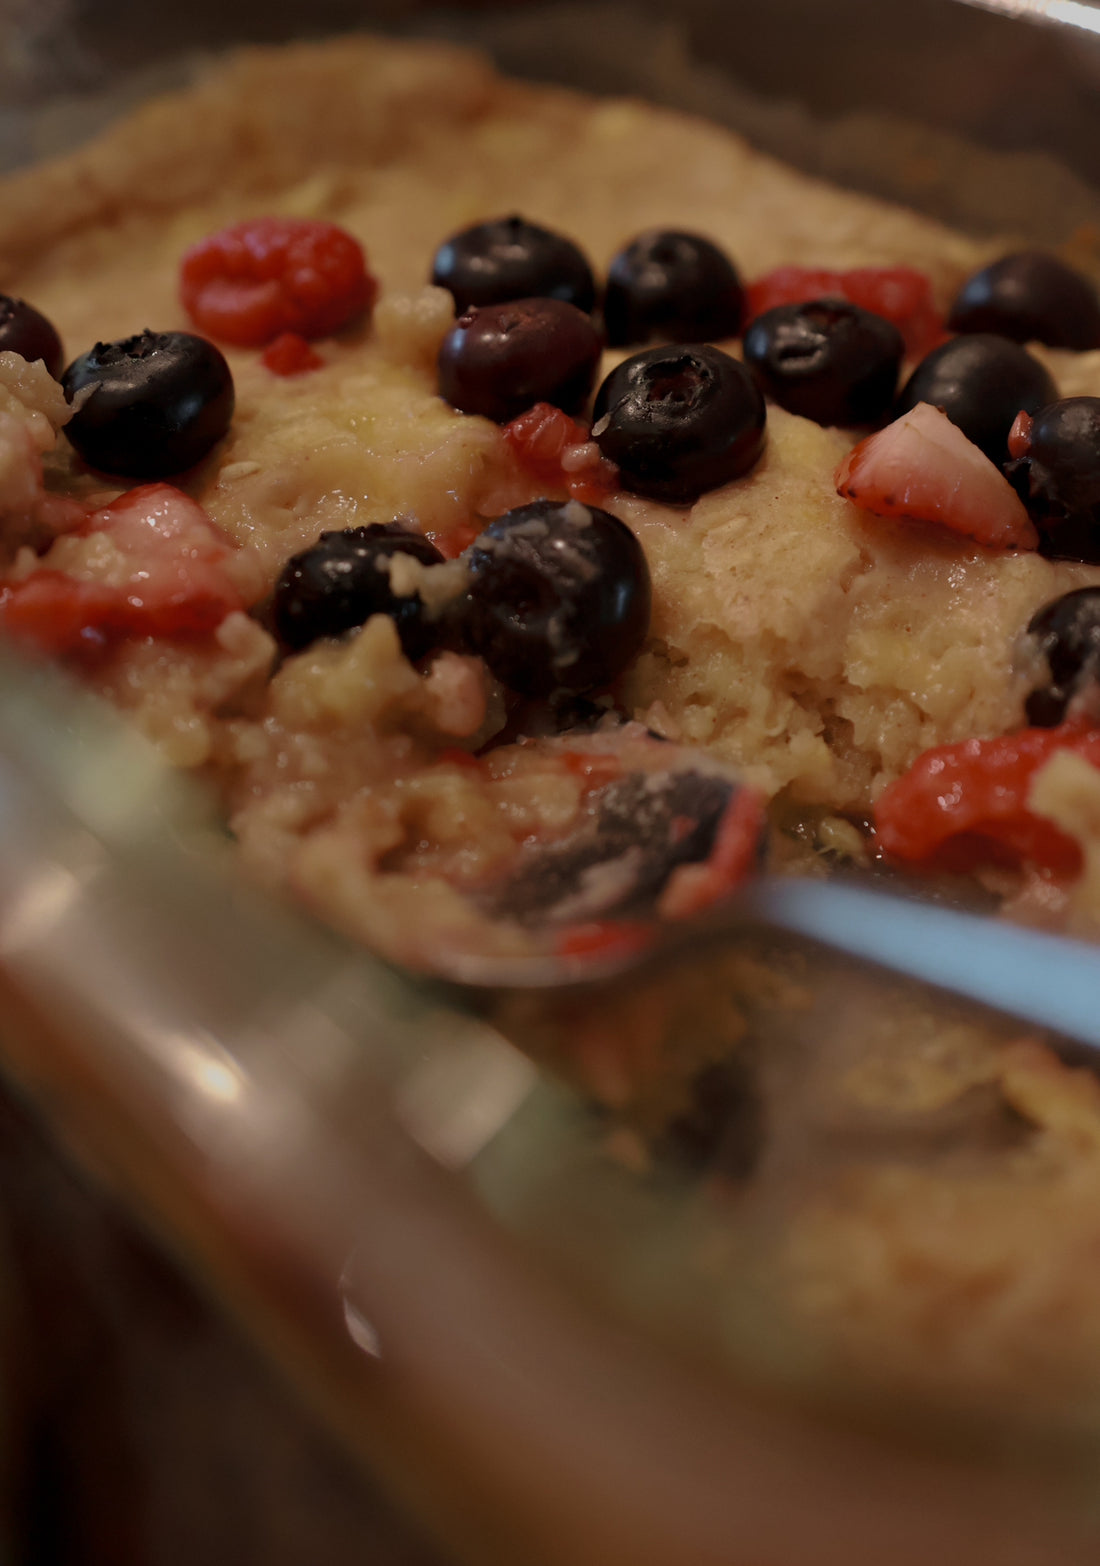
x=828, y=360
x=981, y=382
x=671, y=287
x=1067, y=634
x=500, y=360
x=510, y=258
x=679, y=421
x=1059, y=478
x=638, y=829
x=154, y=404
x=344, y=579
x=559, y=597
x=25, y=331
x=1030, y=296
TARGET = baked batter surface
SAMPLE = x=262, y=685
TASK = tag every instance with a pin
x=819, y=649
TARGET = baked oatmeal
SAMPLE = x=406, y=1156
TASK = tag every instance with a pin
x=784, y=631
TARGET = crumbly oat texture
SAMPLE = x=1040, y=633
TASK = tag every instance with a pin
x=820, y=649
x=815, y=648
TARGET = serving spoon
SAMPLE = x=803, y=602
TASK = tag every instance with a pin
x=664, y=812
x=77, y=784
x=1049, y=981
x=1083, y=14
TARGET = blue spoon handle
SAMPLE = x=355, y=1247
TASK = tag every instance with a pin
x=1043, y=979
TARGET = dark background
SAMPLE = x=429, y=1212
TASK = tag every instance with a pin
x=935, y=66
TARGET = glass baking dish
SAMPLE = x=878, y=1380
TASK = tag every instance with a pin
x=542, y=1360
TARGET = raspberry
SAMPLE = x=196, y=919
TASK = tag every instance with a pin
x=248, y=284
x=963, y=804
x=290, y=354
x=559, y=452
x=900, y=293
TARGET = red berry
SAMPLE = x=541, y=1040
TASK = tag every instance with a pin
x=1019, y=436
x=55, y=614
x=454, y=540
x=594, y=768
x=178, y=586
x=454, y=756
x=693, y=888
x=923, y=469
x=290, y=354
x=791, y=285
x=962, y=804
x=604, y=940
x=248, y=284
x=560, y=453
x=900, y=293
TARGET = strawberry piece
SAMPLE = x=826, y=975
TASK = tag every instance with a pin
x=454, y=540
x=922, y=468
x=178, y=585
x=55, y=614
x=290, y=354
x=561, y=454
x=900, y=293
x=593, y=768
x=962, y=804
x=252, y=282
x=606, y=939
x=1019, y=436
x=454, y=756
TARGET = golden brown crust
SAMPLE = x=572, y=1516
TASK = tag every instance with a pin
x=259, y=120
